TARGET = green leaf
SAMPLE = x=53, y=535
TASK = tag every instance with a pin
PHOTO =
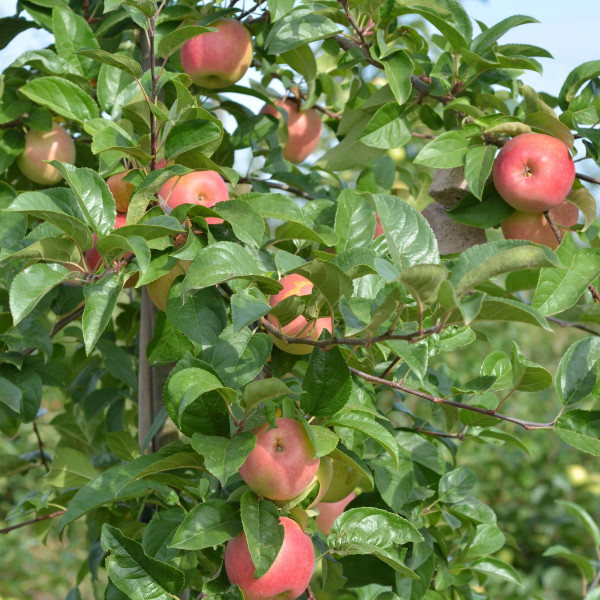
x=395, y=484
x=398, y=68
x=223, y=457
x=479, y=161
x=487, y=540
x=584, y=564
x=527, y=375
x=10, y=27
x=575, y=79
x=416, y=356
x=506, y=309
x=210, y=523
x=12, y=143
x=32, y=284
x=493, y=566
x=297, y=28
x=134, y=572
x=224, y=261
x=264, y=390
x=586, y=519
x=580, y=429
x=92, y=194
x=10, y=395
x=247, y=306
x=70, y=468
x=488, y=37
x=264, y=533
x=410, y=238
x=327, y=383
x=100, y=300
x=577, y=371
x=484, y=261
x=442, y=22
x=560, y=289
x=447, y=150
x=354, y=221
x=196, y=400
x=171, y=42
x=487, y=213
x=423, y=282
x=123, y=63
x=62, y=97
x=456, y=485
x=193, y=136
x=330, y=280
x=122, y=482
x=386, y=129
x=248, y=226
x=239, y=357
x=362, y=422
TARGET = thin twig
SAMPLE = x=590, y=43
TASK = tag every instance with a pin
x=485, y=411
x=279, y=186
x=32, y=521
x=574, y=325
x=309, y=594
x=41, y=447
x=587, y=178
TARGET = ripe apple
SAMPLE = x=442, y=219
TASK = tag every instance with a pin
x=121, y=190
x=288, y=576
x=220, y=58
x=343, y=481
x=535, y=228
x=298, y=285
x=55, y=144
x=330, y=511
x=533, y=172
x=282, y=464
x=304, y=129
x=323, y=476
x=158, y=290
x=199, y=187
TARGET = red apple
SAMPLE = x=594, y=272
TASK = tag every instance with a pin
x=535, y=228
x=199, y=187
x=533, y=172
x=304, y=129
x=55, y=144
x=158, y=290
x=288, y=576
x=92, y=257
x=121, y=190
x=300, y=286
x=282, y=464
x=378, y=227
x=330, y=511
x=220, y=58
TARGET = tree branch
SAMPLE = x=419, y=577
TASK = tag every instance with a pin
x=41, y=447
x=278, y=186
x=587, y=178
x=32, y=521
x=484, y=411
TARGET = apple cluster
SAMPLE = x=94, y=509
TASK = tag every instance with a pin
x=282, y=468
x=534, y=173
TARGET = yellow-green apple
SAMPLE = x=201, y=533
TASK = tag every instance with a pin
x=40, y=146
x=219, y=58
x=158, y=290
x=533, y=172
x=198, y=187
x=304, y=129
x=343, y=481
x=298, y=285
x=535, y=228
x=282, y=464
x=92, y=257
x=289, y=574
x=330, y=511
x=121, y=190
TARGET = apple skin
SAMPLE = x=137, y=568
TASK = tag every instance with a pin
x=121, y=190
x=218, y=59
x=535, y=228
x=92, y=257
x=304, y=129
x=158, y=290
x=378, y=227
x=299, y=327
x=206, y=188
x=343, y=482
x=282, y=464
x=533, y=172
x=288, y=576
x=55, y=144
x=330, y=511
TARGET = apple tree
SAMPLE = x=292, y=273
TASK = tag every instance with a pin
x=186, y=275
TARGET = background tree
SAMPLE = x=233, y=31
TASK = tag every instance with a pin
x=283, y=268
